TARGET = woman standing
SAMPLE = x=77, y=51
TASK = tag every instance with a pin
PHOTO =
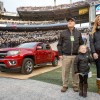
x=95, y=47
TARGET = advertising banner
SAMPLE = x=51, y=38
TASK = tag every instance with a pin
x=97, y=8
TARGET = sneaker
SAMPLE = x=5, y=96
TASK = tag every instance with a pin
x=64, y=89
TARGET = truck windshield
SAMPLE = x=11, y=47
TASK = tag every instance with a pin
x=27, y=45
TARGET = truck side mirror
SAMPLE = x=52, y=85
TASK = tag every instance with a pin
x=47, y=47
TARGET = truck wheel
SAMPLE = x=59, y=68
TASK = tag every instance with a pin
x=55, y=62
x=27, y=66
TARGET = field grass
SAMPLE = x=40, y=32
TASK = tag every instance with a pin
x=54, y=77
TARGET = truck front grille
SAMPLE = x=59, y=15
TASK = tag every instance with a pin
x=3, y=54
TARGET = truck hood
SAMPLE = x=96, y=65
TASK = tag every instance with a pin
x=10, y=49
x=55, y=51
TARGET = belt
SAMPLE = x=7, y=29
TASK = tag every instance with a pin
x=70, y=54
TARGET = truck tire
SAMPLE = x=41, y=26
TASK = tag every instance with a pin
x=55, y=62
x=27, y=66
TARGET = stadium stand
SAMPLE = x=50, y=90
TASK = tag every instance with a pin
x=42, y=24
x=49, y=17
x=60, y=12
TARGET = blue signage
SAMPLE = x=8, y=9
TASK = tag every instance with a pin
x=97, y=7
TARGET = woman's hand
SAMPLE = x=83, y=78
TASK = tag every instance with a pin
x=95, y=55
x=77, y=73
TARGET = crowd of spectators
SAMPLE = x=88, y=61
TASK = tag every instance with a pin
x=85, y=35
x=12, y=39
x=85, y=30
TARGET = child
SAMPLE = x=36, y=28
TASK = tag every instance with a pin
x=81, y=67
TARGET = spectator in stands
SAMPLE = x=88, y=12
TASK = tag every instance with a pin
x=68, y=45
x=95, y=47
x=84, y=38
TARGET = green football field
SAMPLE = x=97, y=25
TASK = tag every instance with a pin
x=54, y=77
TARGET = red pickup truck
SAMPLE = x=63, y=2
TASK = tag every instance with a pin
x=24, y=57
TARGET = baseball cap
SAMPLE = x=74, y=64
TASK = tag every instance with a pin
x=71, y=19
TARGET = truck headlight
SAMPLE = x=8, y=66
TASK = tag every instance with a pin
x=13, y=53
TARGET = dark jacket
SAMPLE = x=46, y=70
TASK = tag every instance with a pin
x=65, y=46
x=95, y=41
x=81, y=63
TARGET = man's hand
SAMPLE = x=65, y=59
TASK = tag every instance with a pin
x=61, y=57
x=95, y=55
